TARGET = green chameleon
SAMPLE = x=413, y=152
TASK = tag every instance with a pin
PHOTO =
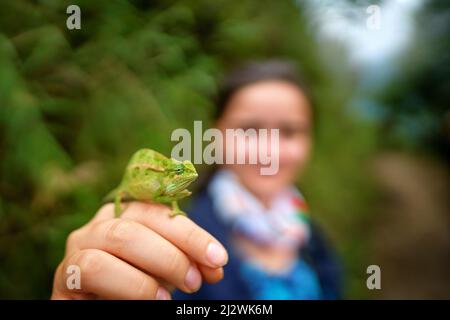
x=153, y=177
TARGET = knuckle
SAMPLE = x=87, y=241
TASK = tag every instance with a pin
x=193, y=236
x=175, y=263
x=73, y=237
x=89, y=261
x=146, y=289
x=118, y=231
x=72, y=240
x=106, y=208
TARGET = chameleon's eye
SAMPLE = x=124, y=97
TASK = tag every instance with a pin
x=179, y=169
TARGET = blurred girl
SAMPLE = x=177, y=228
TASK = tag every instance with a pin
x=275, y=250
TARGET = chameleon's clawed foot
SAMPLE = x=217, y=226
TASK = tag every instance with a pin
x=176, y=210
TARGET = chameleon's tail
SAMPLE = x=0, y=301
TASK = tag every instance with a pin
x=111, y=197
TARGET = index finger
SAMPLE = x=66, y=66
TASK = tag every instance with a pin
x=181, y=231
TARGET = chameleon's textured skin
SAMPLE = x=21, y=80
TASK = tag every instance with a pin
x=151, y=176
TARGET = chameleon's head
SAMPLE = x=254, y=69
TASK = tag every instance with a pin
x=182, y=174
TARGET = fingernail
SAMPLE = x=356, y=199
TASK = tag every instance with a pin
x=162, y=294
x=193, y=279
x=216, y=254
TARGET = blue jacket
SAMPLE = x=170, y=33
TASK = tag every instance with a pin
x=317, y=253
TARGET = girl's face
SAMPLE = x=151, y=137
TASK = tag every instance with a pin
x=270, y=105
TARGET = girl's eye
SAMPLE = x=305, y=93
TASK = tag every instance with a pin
x=288, y=132
x=253, y=128
x=292, y=131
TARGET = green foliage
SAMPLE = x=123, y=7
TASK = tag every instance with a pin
x=74, y=104
x=418, y=100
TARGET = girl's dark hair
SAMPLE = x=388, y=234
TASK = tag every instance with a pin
x=253, y=72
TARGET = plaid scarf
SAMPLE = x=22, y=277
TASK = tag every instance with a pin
x=285, y=224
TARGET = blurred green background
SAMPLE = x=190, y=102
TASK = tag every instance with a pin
x=74, y=105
